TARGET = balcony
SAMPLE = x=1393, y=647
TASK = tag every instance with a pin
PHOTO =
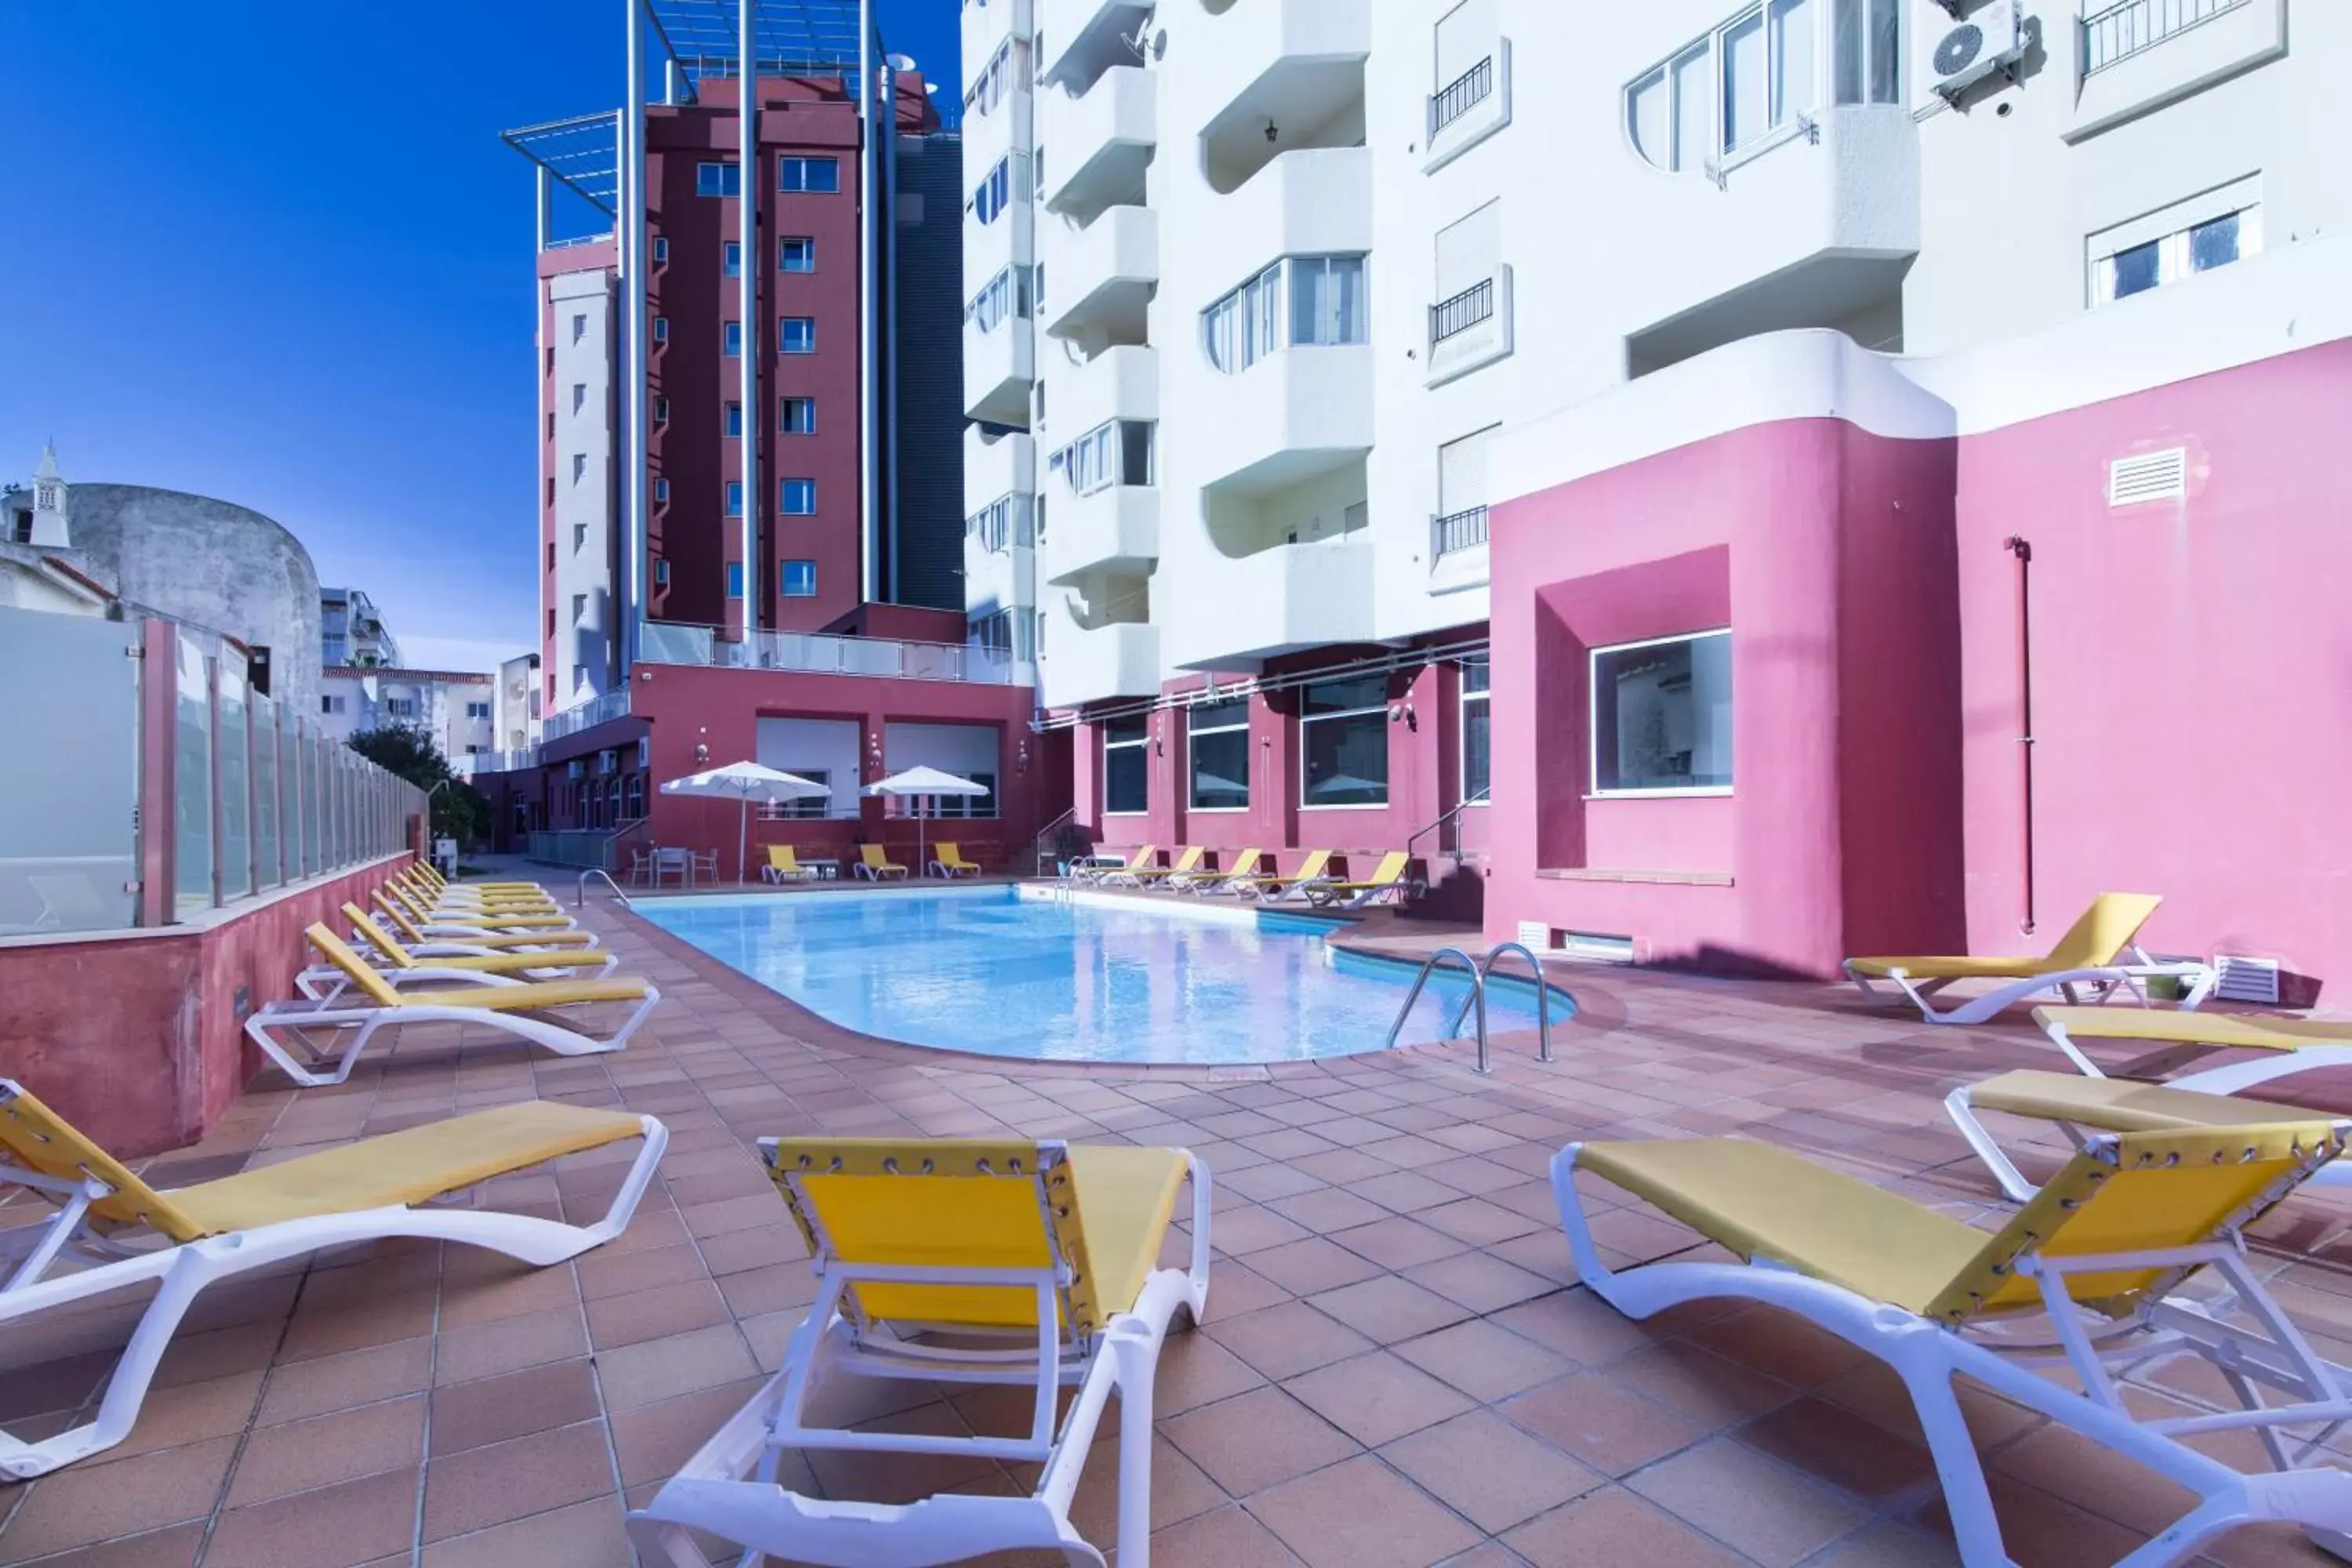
x=998, y=369
x=1077, y=31
x=1102, y=140
x=1103, y=275
x=1297, y=65
x=1815, y=228
x=1312, y=202
x=996, y=465
x=613, y=704
x=1276, y=602
x=1470, y=328
x=999, y=566
x=805, y=653
x=1082, y=666
x=1009, y=126
x=1467, y=109
x=1292, y=415
x=988, y=23
x=1116, y=529
x=1011, y=241
x=2133, y=57
x=1120, y=382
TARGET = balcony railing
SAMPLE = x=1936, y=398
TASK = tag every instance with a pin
x=508, y=761
x=2117, y=32
x=809, y=653
x=1460, y=96
x=1464, y=530
x=613, y=704
x=1462, y=311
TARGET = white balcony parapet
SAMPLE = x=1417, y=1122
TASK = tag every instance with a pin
x=1070, y=28
x=1280, y=601
x=1116, y=529
x=1121, y=383
x=1102, y=274
x=1093, y=664
x=999, y=367
x=1294, y=414
x=613, y=704
x=1469, y=109
x=1315, y=201
x=996, y=465
x=1010, y=241
x=809, y=653
x=1470, y=328
x=1101, y=140
x=474, y=765
x=988, y=23
x=1264, y=54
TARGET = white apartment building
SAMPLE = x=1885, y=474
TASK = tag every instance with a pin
x=458, y=708
x=1252, y=284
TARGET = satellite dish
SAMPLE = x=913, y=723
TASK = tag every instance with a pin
x=931, y=87
x=901, y=63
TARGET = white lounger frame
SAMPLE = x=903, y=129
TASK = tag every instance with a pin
x=949, y=873
x=447, y=930
x=29, y=1252
x=318, y=1064
x=2104, y=983
x=325, y=983
x=729, y=1487
x=1928, y=1357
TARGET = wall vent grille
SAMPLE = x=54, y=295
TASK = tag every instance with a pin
x=2148, y=476
x=2247, y=979
x=1535, y=934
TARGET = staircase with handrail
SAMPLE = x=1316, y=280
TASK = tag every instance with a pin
x=1457, y=896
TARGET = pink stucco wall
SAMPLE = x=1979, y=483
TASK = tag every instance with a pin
x=1827, y=551
x=2189, y=667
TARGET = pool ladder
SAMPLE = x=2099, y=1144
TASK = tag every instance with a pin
x=1478, y=969
x=579, y=901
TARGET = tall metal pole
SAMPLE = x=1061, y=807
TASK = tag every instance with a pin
x=630, y=220
x=887, y=224
x=544, y=192
x=868, y=261
x=747, y=65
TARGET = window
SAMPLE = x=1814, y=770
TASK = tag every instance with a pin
x=661, y=573
x=333, y=704
x=734, y=340
x=579, y=467
x=1002, y=521
x=1009, y=294
x=1219, y=740
x=1868, y=53
x=578, y=328
x=797, y=497
x=401, y=707
x=817, y=176
x=800, y=580
x=579, y=395
x=1242, y=328
x=1343, y=734
x=796, y=335
x=1127, y=766
x=735, y=421
x=1327, y=300
x=334, y=654
x=661, y=251
x=809, y=808
x=1661, y=715
x=1729, y=90
x=477, y=710
x=717, y=180
x=796, y=253
x=733, y=263
x=661, y=491
x=1117, y=452
x=1008, y=635
x=734, y=579
x=1477, y=752
x=661, y=410
x=734, y=498
x=797, y=416
x=579, y=536
x=579, y=608
x=661, y=329
x=2176, y=243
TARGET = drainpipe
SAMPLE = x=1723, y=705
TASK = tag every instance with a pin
x=746, y=117
x=2019, y=546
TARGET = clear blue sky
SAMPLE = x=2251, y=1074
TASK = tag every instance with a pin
x=276, y=253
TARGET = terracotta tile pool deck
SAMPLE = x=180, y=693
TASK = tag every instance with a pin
x=1398, y=1368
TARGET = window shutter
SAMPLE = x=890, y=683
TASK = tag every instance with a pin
x=1462, y=473
x=1469, y=251
x=1465, y=37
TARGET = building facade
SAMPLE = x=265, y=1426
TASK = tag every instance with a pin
x=456, y=708
x=1756, y=315
x=352, y=631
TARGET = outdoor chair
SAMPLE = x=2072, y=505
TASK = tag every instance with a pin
x=1100, y=867
x=414, y=930
x=1233, y=877
x=783, y=866
x=448, y=962
x=2090, y=956
x=948, y=860
x=2088, y=1269
x=1313, y=872
x=1033, y=1264
x=485, y=917
x=285, y=1031
x=874, y=864
x=1388, y=881
x=126, y=1234
x=1186, y=863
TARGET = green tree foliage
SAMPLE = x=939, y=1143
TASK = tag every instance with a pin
x=459, y=810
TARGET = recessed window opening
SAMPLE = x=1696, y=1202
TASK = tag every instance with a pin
x=1218, y=738
x=1343, y=740
x=1127, y=766
x=1661, y=715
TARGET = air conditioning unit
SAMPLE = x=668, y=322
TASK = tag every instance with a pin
x=1990, y=39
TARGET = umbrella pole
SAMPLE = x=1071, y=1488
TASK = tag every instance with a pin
x=742, y=836
x=920, y=870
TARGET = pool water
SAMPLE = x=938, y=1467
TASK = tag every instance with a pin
x=984, y=970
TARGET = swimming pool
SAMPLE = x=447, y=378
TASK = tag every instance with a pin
x=984, y=970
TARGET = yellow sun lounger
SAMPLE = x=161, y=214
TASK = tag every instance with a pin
x=1387, y=881
x=1100, y=867
x=1185, y=864
x=876, y=866
x=920, y=1248
x=1242, y=868
x=948, y=861
x=1274, y=888
x=284, y=1030
x=444, y=962
x=432, y=875
x=412, y=931
x=425, y=887
x=487, y=916
x=784, y=866
x=2100, y=954
x=196, y=1236
x=2088, y=1267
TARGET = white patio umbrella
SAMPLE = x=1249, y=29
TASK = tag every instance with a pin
x=747, y=782
x=919, y=783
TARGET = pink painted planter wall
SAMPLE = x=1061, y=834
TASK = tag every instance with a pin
x=1827, y=551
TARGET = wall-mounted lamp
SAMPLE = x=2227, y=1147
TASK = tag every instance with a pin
x=1402, y=712
x=1271, y=133
x=1020, y=755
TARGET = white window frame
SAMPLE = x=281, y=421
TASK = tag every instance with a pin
x=805, y=163
x=1006, y=297
x=734, y=494
x=1253, y=321
x=1143, y=743
x=1592, y=723
x=1192, y=761
x=2169, y=228
x=731, y=340
x=1783, y=122
x=1864, y=33
x=1462, y=736
x=786, y=577
x=1005, y=184
x=729, y=167
x=1388, y=787
x=785, y=426
x=731, y=258
x=783, y=498
x=784, y=335
x=783, y=252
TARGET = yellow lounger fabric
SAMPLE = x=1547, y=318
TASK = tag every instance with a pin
x=488, y=964
x=1760, y=1200
x=1925, y=967
x=1125, y=1199
x=405, y=1167
x=2094, y=942
x=2121, y=1105
x=409, y=928
x=524, y=998
x=2216, y=1029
